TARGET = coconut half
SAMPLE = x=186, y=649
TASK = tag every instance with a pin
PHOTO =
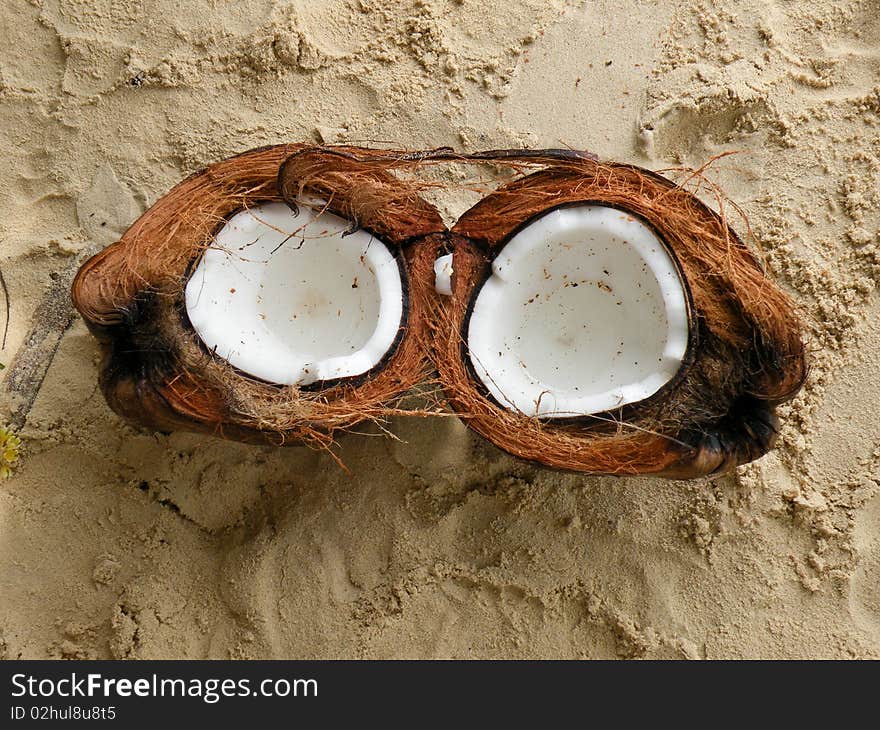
x=584, y=311
x=604, y=320
x=294, y=296
x=287, y=324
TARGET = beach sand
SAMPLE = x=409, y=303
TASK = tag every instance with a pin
x=116, y=542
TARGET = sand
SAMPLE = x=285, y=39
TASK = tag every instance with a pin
x=115, y=542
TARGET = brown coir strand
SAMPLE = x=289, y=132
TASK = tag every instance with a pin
x=746, y=353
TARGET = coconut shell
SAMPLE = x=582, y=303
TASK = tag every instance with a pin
x=158, y=373
x=744, y=356
x=745, y=352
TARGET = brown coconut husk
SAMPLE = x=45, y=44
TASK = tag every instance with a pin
x=158, y=373
x=745, y=352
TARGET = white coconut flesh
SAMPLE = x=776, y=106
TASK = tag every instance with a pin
x=285, y=297
x=584, y=311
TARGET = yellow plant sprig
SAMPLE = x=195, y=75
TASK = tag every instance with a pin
x=10, y=446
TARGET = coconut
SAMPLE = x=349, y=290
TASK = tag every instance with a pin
x=226, y=309
x=588, y=316
x=680, y=379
